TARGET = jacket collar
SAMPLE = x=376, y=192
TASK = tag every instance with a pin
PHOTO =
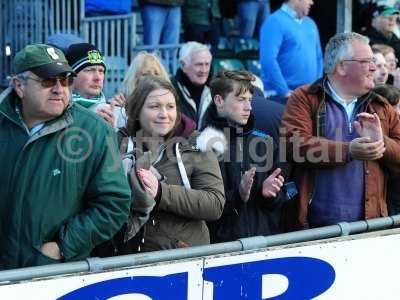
x=319, y=87
x=320, y=90
x=195, y=91
x=221, y=123
x=376, y=35
x=8, y=102
x=186, y=127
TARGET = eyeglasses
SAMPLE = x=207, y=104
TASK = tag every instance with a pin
x=366, y=62
x=50, y=82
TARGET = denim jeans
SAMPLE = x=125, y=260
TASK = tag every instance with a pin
x=251, y=16
x=161, y=24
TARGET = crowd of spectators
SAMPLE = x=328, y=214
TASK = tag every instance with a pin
x=192, y=158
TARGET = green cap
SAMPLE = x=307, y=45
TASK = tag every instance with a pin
x=389, y=11
x=385, y=11
x=43, y=60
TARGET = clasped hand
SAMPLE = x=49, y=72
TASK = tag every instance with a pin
x=370, y=144
x=149, y=181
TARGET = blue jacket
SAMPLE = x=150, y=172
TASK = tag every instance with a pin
x=268, y=114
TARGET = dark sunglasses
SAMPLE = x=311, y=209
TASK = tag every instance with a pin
x=50, y=82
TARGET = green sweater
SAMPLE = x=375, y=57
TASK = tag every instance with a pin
x=199, y=11
x=64, y=184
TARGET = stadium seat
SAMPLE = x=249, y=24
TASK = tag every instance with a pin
x=253, y=66
x=246, y=49
x=227, y=64
x=224, y=49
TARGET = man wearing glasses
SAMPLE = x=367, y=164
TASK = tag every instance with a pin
x=62, y=188
x=340, y=138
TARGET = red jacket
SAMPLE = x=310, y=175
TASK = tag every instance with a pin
x=303, y=116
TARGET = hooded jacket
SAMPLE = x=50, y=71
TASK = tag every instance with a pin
x=247, y=147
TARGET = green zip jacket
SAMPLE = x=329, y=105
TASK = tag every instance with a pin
x=64, y=184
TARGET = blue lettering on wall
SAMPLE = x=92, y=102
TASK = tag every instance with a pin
x=157, y=288
x=308, y=278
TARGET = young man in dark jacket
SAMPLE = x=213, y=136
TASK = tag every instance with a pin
x=251, y=188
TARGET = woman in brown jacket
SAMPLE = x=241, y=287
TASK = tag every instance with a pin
x=175, y=178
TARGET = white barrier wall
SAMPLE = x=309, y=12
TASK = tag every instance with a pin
x=361, y=268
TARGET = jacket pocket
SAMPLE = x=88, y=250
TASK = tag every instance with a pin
x=39, y=259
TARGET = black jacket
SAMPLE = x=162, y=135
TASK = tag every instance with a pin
x=268, y=115
x=193, y=100
x=376, y=37
x=259, y=216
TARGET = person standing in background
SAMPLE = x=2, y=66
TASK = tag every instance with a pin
x=251, y=14
x=290, y=50
x=161, y=21
x=201, y=22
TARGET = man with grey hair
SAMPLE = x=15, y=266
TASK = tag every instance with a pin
x=191, y=80
x=340, y=137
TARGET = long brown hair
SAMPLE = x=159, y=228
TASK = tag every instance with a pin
x=136, y=100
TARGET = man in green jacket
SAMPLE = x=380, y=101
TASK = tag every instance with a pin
x=62, y=187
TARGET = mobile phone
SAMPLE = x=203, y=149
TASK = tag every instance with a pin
x=290, y=190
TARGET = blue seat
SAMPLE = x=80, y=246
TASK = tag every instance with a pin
x=246, y=48
x=253, y=66
x=224, y=49
x=227, y=64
